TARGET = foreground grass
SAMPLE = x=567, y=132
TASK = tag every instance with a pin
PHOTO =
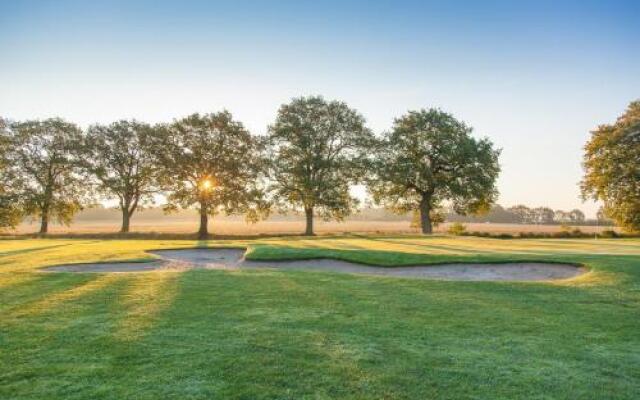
x=299, y=334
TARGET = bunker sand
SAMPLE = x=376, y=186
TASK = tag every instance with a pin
x=233, y=259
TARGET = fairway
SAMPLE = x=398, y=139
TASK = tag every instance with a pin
x=313, y=334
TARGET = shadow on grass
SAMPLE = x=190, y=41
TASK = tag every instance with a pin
x=31, y=250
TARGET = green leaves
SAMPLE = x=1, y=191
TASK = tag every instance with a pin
x=612, y=168
x=317, y=149
x=121, y=157
x=430, y=157
x=45, y=158
x=212, y=148
x=10, y=184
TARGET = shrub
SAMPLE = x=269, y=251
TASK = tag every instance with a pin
x=457, y=229
x=608, y=234
x=562, y=234
x=565, y=228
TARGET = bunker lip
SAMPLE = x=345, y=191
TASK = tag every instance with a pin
x=234, y=259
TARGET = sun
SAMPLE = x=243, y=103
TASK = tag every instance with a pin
x=206, y=185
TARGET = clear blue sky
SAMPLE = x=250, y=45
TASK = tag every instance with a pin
x=533, y=76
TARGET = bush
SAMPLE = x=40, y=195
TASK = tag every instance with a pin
x=608, y=234
x=457, y=229
x=565, y=227
x=527, y=235
x=562, y=234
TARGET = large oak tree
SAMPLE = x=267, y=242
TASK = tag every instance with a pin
x=213, y=163
x=430, y=157
x=120, y=156
x=10, y=209
x=45, y=158
x=612, y=168
x=317, y=151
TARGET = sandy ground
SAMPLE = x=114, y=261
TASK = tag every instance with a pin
x=233, y=259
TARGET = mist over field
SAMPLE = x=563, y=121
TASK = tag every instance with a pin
x=368, y=220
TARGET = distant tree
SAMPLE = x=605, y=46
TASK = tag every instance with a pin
x=121, y=157
x=542, y=215
x=430, y=157
x=212, y=162
x=10, y=208
x=317, y=150
x=561, y=216
x=45, y=158
x=612, y=168
x=601, y=217
x=522, y=213
x=497, y=214
x=576, y=216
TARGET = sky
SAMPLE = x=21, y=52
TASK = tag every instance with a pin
x=535, y=77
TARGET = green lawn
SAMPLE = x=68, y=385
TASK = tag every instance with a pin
x=312, y=335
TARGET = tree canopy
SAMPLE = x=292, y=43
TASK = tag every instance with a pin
x=121, y=157
x=612, y=168
x=430, y=157
x=10, y=209
x=45, y=159
x=318, y=149
x=212, y=162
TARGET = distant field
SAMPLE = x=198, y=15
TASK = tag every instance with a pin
x=108, y=220
x=239, y=227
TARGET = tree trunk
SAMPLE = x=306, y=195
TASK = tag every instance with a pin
x=126, y=218
x=203, y=232
x=308, y=211
x=44, y=222
x=425, y=218
x=46, y=205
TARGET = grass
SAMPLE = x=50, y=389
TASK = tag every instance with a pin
x=311, y=335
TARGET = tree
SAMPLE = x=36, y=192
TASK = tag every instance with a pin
x=436, y=216
x=430, y=157
x=10, y=209
x=561, y=216
x=45, y=158
x=212, y=162
x=121, y=157
x=542, y=215
x=524, y=214
x=612, y=168
x=576, y=216
x=601, y=217
x=497, y=214
x=318, y=148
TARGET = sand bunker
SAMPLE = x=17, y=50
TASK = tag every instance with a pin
x=233, y=259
